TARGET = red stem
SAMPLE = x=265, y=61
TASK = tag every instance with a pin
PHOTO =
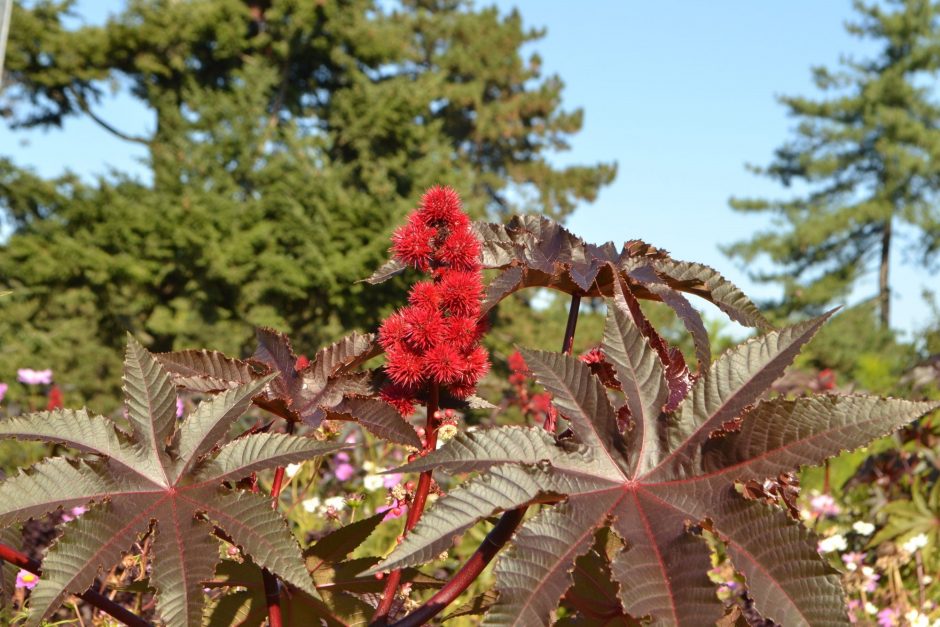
x=415, y=509
x=272, y=589
x=8, y=554
x=495, y=540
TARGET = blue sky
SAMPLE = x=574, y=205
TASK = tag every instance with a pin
x=680, y=93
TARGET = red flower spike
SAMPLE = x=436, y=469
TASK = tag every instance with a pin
x=461, y=332
x=424, y=326
x=405, y=368
x=441, y=205
x=301, y=363
x=593, y=356
x=436, y=337
x=444, y=364
x=461, y=292
x=400, y=398
x=393, y=330
x=55, y=399
x=462, y=390
x=412, y=244
x=477, y=364
x=425, y=294
x=517, y=363
x=461, y=250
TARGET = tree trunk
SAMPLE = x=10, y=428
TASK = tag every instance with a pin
x=884, y=289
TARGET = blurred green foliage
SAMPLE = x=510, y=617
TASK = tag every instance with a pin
x=289, y=139
x=864, y=160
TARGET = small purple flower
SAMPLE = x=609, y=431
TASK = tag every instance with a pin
x=344, y=471
x=392, y=480
x=824, y=505
x=3, y=390
x=853, y=606
x=888, y=617
x=34, y=377
x=26, y=579
x=179, y=407
x=871, y=579
x=853, y=560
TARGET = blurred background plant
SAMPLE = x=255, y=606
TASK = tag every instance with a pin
x=287, y=140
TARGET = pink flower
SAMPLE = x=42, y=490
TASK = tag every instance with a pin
x=344, y=471
x=179, y=407
x=853, y=560
x=3, y=390
x=824, y=505
x=26, y=579
x=34, y=377
x=888, y=617
x=74, y=513
x=392, y=480
x=395, y=510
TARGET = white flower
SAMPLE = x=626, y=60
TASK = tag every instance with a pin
x=871, y=608
x=373, y=482
x=917, y=542
x=368, y=466
x=916, y=619
x=868, y=571
x=312, y=504
x=863, y=528
x=293, y=469
x=833, y=543
x=338, y=503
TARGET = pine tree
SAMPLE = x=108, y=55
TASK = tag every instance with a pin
x=867, y=156
x=290, y=139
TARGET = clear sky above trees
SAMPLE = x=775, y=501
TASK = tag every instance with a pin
x=681, y=95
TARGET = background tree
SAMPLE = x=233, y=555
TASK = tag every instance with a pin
x=289, y=139
x=868, y=158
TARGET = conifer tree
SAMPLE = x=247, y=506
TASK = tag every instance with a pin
x=866, y=157
x=288, y=139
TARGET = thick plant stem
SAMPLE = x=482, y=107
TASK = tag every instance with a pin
x=272, y=590
x=417, y=505
x=12, y=556
x=498, y=536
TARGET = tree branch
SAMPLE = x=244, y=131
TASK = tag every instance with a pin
x=83, y=105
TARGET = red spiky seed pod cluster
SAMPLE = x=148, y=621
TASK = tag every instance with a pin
x=436, y=338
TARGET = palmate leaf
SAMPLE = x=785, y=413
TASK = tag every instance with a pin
x=534, y=251
x=207, y=371
x=657, y=484
x=166, y=479
x=299, y=391
x=593, y=599
x=905, y=518
x=335, y=578
x=327, y=386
